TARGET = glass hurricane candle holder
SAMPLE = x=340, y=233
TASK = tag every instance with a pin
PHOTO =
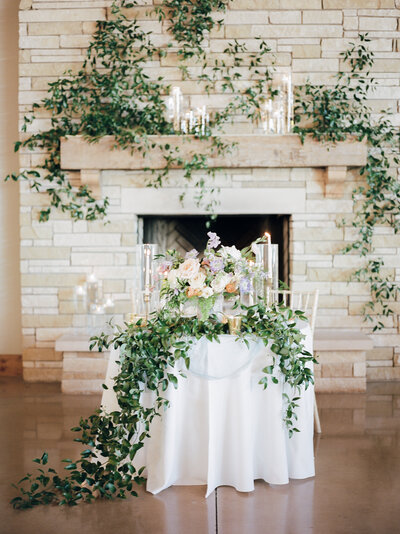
x=276, y=111
x=267, y=259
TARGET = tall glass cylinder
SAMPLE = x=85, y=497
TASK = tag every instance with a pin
x=145, y=276
x=277, y=108
x=145, y=269
x=267, y=258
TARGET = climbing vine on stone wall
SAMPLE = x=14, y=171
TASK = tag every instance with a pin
x=335, y=113
x=113, y=95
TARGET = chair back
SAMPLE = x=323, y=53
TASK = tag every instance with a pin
x=307, y=301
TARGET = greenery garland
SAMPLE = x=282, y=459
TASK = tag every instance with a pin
x=113, y=95
x=147, y=359
x=99, y=101
x=335, y=113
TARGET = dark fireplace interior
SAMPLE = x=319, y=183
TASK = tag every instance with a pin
x=187, y=232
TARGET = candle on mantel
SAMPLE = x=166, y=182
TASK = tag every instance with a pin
x=92, y=285
x=80, y=291
x=92, y=278
x=109, y=304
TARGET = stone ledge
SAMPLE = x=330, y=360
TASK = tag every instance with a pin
x=340, y=385
x=383, y=373
x=341, y=357
x=341, y=340
x=82, y=387
x=73, y=343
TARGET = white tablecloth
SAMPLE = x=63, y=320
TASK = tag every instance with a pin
x=222, y=427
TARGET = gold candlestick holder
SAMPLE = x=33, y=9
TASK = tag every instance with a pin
x=147, y=298
x=134, y=318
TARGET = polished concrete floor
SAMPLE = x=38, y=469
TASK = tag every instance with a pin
x=356, y=489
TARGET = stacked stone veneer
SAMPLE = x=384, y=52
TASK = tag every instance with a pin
x=305, y=35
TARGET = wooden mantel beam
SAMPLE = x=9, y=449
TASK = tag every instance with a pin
x=249, y=151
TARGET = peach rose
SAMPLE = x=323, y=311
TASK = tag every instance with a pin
x=190, y=292
x=189, y=268
x=231, y=287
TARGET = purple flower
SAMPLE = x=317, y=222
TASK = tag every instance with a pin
x=216, y=264
x=245, y=285
x=191, y=254
x=214, y=240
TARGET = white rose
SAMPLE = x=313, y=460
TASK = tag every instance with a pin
x=220, y=281
x=233, y=252
x=189, y=268
x=197, y=281
x=206, y=292
x=173, y=278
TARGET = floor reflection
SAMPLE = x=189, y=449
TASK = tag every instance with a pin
x=356, y=488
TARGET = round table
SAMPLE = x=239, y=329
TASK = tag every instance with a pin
x=222, y=427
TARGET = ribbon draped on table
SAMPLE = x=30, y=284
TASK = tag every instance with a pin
x=222, y=427
x=208, y=361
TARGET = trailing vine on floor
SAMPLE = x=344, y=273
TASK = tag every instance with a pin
x=336, y=113
x=147, y=359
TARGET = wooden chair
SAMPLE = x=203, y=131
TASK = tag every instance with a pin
x=308, y=302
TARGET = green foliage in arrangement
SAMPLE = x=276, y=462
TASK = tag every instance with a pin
x=331, y=114
x=148, y=356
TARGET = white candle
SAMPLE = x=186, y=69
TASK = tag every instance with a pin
x=80, y=291
x=92, y=278
x=147, y=269
x=177, y=107
x=269, y=254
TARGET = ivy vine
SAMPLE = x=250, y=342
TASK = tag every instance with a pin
x=113, y=95
x=148, y=356
x=334, y=114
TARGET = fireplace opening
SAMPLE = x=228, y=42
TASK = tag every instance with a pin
x=189, y=231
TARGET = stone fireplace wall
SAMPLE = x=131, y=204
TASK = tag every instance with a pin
x=306, y=36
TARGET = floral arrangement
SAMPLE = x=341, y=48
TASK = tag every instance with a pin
x=220, y=271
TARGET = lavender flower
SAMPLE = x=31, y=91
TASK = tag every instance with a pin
x=191, y=254
x=216, y=264
x=214, y=240
x=245, y=285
